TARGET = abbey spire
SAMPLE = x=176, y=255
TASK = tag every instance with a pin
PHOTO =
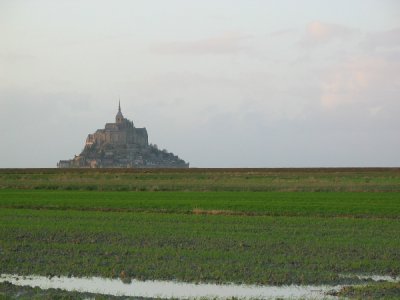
x=119, y=118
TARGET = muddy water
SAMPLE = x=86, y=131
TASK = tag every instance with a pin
x=170, y=289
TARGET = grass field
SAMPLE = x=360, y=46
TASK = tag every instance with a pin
x=289, y=180
x=244, y=226
x=387, y=290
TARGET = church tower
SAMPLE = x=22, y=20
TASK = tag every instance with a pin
x=119, y=118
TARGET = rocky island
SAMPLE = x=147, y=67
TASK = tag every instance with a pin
x=122, y=145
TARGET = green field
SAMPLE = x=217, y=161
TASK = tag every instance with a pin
x=267, y=180
x=263, y=226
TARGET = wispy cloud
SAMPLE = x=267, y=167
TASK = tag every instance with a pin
x=226, y=43
x=368, y=82
x=282, y=32
x=318, y=33
x=16, y=57
x=387, y=40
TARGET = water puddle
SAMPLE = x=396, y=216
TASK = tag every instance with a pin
x=376, y=278
x=170, y=289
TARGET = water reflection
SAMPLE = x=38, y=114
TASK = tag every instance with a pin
x=169, y=289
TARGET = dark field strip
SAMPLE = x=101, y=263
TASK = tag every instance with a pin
x=207, y=248
x=287, y=180
x=351, y=205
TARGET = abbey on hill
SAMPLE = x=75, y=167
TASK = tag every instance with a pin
x=122, y=145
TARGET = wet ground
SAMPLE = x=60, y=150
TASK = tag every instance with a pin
x=168, y=289
x=41, y=287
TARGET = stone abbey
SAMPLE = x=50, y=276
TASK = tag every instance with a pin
x=122, y=145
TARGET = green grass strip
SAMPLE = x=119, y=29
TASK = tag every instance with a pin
x=323, y=204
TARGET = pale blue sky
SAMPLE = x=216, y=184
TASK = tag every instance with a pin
x=220, y=83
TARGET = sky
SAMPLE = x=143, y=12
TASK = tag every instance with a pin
x=220, y=83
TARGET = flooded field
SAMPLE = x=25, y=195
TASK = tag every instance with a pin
x=376, y=278
x=182, y=290
x=170, y=289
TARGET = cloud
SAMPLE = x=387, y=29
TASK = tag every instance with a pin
x=16, y=57
x=318, y=33
x=282, y=32
x=227, y=43
x=384, y=40
x=369, y=80
x=46, y=127
x=369, y=83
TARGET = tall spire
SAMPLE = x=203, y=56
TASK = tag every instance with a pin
x=119, y=118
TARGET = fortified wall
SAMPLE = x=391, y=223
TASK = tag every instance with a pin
x=122, y=145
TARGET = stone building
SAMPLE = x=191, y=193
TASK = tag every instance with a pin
x=122, y=145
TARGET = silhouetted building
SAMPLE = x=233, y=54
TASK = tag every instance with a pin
x=122, y=145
